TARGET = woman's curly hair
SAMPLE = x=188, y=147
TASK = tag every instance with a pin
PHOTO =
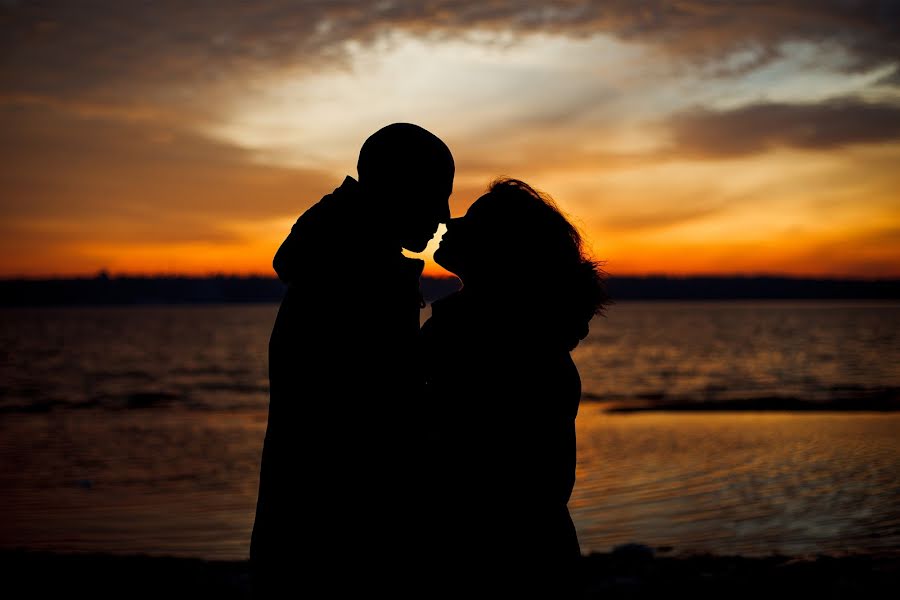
x=568, y=287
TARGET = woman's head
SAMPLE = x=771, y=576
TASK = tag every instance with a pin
x=515, y=236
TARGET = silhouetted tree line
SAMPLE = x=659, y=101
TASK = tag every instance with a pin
x=106, y=290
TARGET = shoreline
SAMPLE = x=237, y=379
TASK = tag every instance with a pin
x=630, y=571
x=886, y=400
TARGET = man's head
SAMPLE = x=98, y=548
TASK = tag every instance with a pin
x=410, y=170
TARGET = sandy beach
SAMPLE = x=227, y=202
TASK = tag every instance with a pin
x=633, y=572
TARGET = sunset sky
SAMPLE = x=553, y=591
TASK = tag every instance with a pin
x=683, y=137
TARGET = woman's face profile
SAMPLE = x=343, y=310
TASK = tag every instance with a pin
x=470, y=239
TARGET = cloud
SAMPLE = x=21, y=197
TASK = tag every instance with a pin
x=761, y=127
x=700, y=133
x=654, y=218
x=136, y=53
x=891, y=79
x=138, y=182
x=872, y=251
x=108, y=108
x=543, y=157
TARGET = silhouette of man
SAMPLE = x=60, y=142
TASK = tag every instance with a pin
x=338, y=473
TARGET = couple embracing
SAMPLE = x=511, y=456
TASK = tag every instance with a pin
x=432, y=462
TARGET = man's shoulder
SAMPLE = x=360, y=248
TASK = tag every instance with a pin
x=331, y=205
x=308, y=248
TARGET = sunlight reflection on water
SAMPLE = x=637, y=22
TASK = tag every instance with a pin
x=739, y=483
x=139, y=429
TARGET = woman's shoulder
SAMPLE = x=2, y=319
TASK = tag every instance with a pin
x=447, y=304
x=448, y=314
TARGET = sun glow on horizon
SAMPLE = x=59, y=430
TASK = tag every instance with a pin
x=713, y=145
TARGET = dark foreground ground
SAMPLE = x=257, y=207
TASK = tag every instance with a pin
x=633, y=574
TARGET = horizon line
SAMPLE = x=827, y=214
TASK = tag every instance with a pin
x=101, y=274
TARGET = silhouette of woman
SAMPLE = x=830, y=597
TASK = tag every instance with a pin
x=505, y=392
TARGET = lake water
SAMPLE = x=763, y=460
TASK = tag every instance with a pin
x=139, y=429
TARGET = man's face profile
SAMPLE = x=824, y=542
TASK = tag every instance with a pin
x=425, y=209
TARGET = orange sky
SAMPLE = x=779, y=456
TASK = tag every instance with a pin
x=682, y=137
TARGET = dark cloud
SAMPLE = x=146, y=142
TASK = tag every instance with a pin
x=138, y=182
x=887, y=235
x=891, y=79
x=760, y=127
x=119, y=52
x=659, y=217
x=541, y=157
x=870, y=252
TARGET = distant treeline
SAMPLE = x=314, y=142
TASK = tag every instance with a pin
x=231, y=289
x=105, y=290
